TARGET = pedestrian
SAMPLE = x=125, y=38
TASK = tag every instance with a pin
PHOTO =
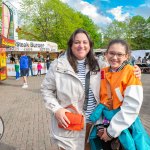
x=139, y=60
x=17, y=70
x=121, y=94
x=39, y=68
x=12, y=58
x=67, y=84
x=30, y=65
x=47, y=60
x=24, y=68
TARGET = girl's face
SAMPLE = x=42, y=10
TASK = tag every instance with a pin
x=81, y=46
x=116, y=55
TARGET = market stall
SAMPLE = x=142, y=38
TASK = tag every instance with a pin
x=4, y=42
x=35, y=49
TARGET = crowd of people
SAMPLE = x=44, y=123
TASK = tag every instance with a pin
x=76, y=82
x=144, y=60
x=23, y=65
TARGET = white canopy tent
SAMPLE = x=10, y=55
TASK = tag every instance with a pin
x=141, y=53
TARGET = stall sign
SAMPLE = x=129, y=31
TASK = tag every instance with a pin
x=2, y=57
x=6, y=42
x=3, y=73
x=23, y=45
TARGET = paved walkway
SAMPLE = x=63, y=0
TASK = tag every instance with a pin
x=27, y=120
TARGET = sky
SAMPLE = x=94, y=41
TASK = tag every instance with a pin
x=103, y=12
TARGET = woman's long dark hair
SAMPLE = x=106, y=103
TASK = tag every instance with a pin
x=90, y=58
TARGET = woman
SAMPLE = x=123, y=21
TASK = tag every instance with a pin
x=64, y=85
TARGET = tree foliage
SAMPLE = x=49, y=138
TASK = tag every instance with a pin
x=52, y=20
x=136, y=31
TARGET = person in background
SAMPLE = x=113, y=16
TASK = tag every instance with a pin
x=30, y=65
x=64, y=86
x=39, y=68
x=144, y=60
x=17, y=70
x=47, y=60
x=131, y=59
x=139, y=60
x=24, y=68
x=12, y=58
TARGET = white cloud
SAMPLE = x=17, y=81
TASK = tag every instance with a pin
x=90, y=10
x=117, y=13
x=143, y=10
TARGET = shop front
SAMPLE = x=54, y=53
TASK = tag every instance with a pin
x=4, y=42
x=36, y=50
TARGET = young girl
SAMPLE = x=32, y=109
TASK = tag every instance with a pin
x=17, y=69
x=39, y=68
x=121, y=97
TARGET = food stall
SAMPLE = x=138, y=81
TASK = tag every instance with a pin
x=35, y=49
x=4, y=42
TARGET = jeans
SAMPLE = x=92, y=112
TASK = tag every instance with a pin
x=47, y=65
x=17, y=75
x=30, y=68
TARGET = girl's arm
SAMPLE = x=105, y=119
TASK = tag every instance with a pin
x=133, y=98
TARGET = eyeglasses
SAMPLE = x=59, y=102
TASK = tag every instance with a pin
x=119, y=55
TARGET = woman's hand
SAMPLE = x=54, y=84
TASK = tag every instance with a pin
x=137, y=71
x=105, y=136
x=61, y=117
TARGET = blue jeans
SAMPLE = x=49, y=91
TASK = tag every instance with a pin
x=30, y=68
x=48, y=65
x=17, y=75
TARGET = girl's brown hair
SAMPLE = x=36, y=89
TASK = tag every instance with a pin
x=122, y=42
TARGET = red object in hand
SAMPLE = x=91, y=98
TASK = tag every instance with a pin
x=76, y=122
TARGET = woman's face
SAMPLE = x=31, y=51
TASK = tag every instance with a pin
x=116, y=55
x=81, y=46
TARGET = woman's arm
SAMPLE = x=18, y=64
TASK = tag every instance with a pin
x=48, y=89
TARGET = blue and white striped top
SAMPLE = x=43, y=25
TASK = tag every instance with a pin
x=91, y=101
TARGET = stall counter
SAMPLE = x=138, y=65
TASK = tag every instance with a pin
x=11, y=69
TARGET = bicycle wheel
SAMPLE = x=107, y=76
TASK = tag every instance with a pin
x=1, y=127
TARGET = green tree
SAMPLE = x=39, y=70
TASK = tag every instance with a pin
x=135, y=30
x=114, y=30
x=52, y=20
x=137, y=26
x=91, y=28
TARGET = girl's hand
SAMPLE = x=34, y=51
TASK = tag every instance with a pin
x=61, y=117
x=105, y=136
x=137, y=71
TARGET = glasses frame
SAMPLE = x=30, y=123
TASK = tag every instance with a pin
x=118, y=55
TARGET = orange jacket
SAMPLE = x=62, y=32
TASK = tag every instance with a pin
x=127, y=93
x=118, y=81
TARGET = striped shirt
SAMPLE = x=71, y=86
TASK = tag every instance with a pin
x=91, y=100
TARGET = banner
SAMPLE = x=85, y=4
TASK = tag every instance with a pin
x=23, y=45
x=2, y=57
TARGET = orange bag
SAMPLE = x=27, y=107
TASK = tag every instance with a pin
x=76, y=121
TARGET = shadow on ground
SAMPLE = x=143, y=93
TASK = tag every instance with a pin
x=4, y=146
